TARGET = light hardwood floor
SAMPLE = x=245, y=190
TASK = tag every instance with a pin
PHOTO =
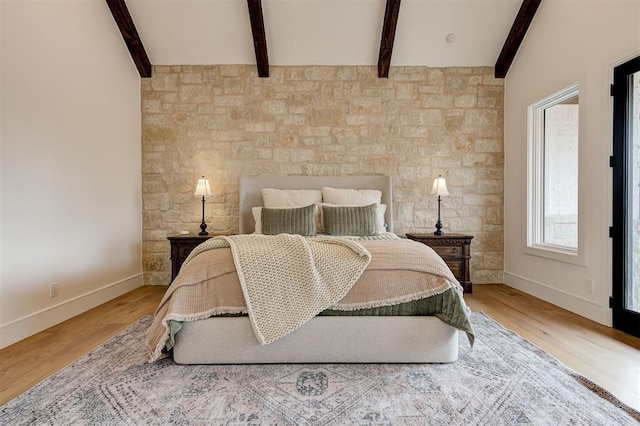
x=605, y=356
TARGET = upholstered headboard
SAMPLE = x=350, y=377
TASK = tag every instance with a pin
x=251, y=191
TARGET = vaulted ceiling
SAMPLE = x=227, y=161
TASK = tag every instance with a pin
x=434, y=33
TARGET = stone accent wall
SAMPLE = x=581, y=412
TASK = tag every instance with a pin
x=224, y=122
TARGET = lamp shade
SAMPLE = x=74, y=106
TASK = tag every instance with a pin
x=202, y=188
x=439, y=186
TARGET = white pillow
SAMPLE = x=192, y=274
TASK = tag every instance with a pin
x=257, y=217
x=274, y=198
x=351, y=197
x=382, y=208
x=382, y=224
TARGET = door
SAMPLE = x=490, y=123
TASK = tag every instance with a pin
x=626, y=197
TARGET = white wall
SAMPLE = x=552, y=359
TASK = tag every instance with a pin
x=568, y=42
x=70, y=163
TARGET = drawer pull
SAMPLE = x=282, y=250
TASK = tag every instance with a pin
x=455, y=249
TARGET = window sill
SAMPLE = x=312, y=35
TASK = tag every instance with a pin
x=559, y=254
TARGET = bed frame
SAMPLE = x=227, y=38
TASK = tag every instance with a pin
x=230, y=340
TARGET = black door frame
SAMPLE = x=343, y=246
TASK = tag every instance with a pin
x=623, y=319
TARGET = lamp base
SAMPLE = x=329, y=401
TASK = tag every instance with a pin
x=203, y=226
x=438, y=223
x=438, y=229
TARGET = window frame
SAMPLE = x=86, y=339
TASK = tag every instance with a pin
x=535, y=244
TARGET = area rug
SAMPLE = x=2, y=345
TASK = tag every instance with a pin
x=503, y=380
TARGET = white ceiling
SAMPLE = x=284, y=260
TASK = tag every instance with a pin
x=323, y=32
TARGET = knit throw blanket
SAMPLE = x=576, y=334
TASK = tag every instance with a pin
x=288, y=279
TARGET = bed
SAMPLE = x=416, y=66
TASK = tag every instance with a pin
x=346, y=334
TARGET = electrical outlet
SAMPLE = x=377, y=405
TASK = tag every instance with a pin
x=589, y=286
x=53, y=289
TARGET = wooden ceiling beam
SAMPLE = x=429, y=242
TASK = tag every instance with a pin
x=516, y=35
x=388, y=35
x=259, y=37
x=130, y=35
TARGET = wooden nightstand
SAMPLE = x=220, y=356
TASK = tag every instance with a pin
x=181, y=246
x=455, y=250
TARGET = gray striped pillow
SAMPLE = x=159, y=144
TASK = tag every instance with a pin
x=300, y=220
x=359, y=221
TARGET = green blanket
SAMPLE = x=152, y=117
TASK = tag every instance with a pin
x=449, y=307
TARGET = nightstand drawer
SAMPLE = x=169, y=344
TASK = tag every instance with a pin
x=184, y=250
x=446, y=251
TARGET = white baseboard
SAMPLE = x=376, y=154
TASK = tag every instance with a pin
x=31, y=324
x=574, y=303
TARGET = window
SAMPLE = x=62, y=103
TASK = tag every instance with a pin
x=552, y=220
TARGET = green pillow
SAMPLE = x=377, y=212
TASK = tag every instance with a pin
x=300, y=220
x=359, y=221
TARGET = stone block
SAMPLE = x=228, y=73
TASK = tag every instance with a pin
x=486, y=276
x=152, y=105
x=195, y=93
x=228, y=100
x=320, y=73
x=153, y=262
x=347, y=73
x=459, y=224
x=488, y=145
x=456, y=84
x=274, y=106
x=454, y=123
x=481, y=117
x=265, y=126
x=490, y=186
x=302, y=155
x=435, y=77
x=494, y=215
x=326, y=116
x=463, y=143
x=164, y=82
x=414, y=132
x=437, y=101
x=428, y=89
x=406, y=91
x=191, y=78
x=465, y=101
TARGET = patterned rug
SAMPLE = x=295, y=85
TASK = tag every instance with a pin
x=503, y=380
